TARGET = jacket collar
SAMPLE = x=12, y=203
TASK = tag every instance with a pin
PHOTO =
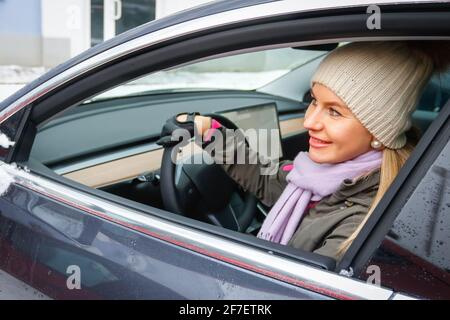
x=360, y=190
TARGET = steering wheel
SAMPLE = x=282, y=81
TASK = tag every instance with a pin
x=204, y=191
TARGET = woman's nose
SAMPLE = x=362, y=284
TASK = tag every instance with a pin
x=313, y=119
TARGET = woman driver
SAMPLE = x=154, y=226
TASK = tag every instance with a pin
x=363, y=96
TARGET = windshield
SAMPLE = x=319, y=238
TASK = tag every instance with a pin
x=247, y=71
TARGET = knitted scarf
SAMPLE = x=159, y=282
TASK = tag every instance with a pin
x=310, y=181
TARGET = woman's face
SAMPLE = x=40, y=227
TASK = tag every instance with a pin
x=329, y=119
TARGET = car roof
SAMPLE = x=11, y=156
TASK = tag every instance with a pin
x=186, y=15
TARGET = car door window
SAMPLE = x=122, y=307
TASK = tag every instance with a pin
x=414, y=257
x=131, y=115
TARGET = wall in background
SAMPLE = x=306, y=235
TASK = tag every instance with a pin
x=47, y=32
x=20, y=32
x=66, y=27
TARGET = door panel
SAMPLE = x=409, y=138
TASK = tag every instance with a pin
x=41, y=239
x=118, y=170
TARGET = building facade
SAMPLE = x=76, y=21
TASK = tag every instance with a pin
x=48, y=32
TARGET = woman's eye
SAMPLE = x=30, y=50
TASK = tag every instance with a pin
x=314, y=102
x=334, y=113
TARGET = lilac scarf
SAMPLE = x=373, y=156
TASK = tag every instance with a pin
x=308, y=181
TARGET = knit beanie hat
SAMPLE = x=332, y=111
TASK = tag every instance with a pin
x=380, y=82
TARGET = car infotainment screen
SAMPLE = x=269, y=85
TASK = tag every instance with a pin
x=261, y=128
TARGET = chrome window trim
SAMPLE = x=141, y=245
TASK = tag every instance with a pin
x=241, y=255
x=264, y=10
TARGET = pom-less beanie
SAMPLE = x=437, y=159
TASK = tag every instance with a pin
x=380, y=82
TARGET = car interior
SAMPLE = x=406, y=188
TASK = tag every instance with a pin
x=108, y=142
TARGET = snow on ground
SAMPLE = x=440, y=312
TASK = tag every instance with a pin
x=8, y=89
x=19, y=75
x=12, y=78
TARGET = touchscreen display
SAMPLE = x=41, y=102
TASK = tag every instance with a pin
x=261, y=127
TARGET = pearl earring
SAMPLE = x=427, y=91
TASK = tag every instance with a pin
x=375, y=144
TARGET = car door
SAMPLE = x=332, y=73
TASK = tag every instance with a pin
x=70, y=241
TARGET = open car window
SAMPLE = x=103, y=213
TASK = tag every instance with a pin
x=128, y=122
x=246, y=71
x=131, y=115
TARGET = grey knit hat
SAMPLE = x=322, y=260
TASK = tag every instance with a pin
x=380, y=82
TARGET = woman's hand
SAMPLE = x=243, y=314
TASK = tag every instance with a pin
x=202, y=123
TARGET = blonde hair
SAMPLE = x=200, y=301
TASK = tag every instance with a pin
x=392, y=161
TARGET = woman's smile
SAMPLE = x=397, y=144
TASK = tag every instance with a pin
x=335, y=134
x=317, y=143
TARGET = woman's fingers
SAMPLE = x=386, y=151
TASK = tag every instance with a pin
x=205, y=123
x=202, y=123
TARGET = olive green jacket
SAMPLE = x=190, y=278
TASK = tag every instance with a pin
x=325, y=226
